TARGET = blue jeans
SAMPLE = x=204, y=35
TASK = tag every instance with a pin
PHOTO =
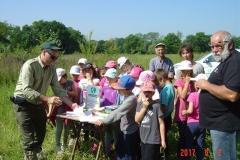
x=224, y=144
x=127, y=145
x=194, y=130
x=109, y=138
x=59, y=127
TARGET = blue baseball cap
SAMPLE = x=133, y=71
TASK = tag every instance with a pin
x=124, y=82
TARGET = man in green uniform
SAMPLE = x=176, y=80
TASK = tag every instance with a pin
x=36, y=75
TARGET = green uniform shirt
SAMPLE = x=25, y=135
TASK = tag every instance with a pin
x=35, y=78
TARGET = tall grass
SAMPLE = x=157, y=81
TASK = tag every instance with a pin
x=10, y=137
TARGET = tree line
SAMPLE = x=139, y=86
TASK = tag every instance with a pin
x=31, y=36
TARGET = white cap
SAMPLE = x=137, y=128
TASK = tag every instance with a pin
x=185, y=65
x=160, y=44
x=200, y=76
x=75, y=70
x=121, y=61
x=60, y=73
x=82, y=60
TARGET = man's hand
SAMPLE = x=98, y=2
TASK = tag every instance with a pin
x=202, y=84
x=54, y=100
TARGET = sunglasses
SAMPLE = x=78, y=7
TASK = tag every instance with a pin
x=52, y=56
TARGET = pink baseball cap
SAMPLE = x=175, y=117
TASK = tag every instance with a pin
x=148, y=86
x=145, y=76
x=135, y=72
x=111, y=64
x=185, y=65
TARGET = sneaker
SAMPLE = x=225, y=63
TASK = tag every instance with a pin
x=30, y=155
x=70, y=143
x=63, y=147
x=58, y=150
x=41, y=155
x=95, y=146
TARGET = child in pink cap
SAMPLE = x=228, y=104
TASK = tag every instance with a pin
x=135, y=73
x=151, y=123
x=109, y=64
x=147, y=76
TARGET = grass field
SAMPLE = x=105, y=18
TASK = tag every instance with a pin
x=10, y=137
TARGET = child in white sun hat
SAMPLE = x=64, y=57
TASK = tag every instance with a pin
x=81, y=62
x=193, y=128
x=75, y=72
x=125, y=65
x=184, y=87
x=69, y=86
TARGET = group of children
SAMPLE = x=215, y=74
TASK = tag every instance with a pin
x=144, y=101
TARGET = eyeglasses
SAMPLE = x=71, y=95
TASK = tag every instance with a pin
x=218, y=46
x=52, y=56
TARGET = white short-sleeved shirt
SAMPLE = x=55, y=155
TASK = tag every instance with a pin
x=84, y=83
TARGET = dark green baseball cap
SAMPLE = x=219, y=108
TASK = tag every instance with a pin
x=51, y=45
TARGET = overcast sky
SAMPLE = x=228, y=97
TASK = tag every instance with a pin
x=119, y=18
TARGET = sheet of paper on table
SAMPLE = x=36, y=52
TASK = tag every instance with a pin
x=86, y=116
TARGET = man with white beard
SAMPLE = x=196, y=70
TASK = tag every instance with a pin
x=219, y=100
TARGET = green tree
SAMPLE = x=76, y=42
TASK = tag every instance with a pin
x=88, y=47
x=236, y=41
x=110, y=46
x=119, y=42
x=24, y=39
x=74, y=38
x=5, y=33
x=51, y=31
x=151, y=37
x=199, y=42
x=172, y=42
x=133, y=44
x=100, y=47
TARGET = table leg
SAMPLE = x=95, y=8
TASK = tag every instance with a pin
x=76, y=141
x=101, y=143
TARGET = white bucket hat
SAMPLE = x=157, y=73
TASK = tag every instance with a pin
x=82, y=60
x=121, y=61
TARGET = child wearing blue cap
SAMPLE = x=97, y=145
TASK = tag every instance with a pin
x=128, y=138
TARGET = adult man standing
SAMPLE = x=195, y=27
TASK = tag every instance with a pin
x=30, y=97
x=161, y=62
x=219, y=99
